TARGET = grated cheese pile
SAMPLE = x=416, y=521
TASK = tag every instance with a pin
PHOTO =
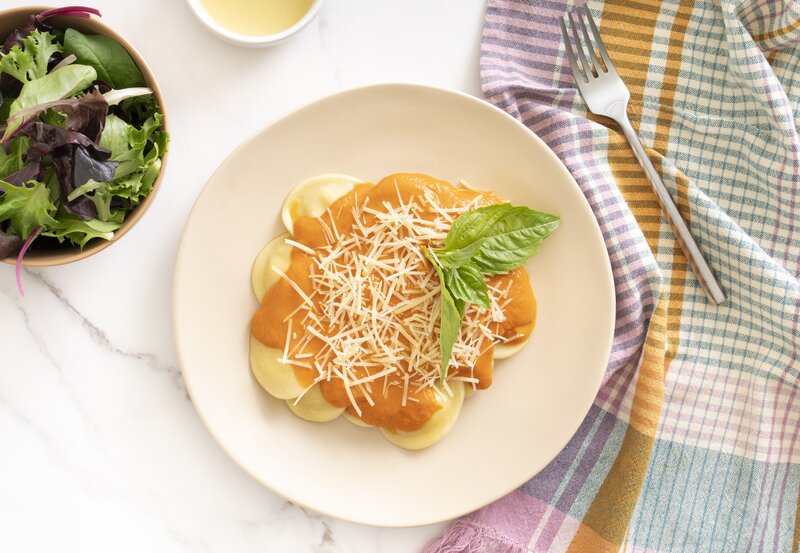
x=375, y=304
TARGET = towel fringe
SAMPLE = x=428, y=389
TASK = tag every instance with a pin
x=461, y=537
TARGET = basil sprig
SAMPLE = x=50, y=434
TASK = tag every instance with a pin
x=487, y=241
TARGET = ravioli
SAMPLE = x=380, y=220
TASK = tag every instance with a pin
x=306, y=397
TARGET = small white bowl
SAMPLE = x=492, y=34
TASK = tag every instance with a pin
x=251, y=41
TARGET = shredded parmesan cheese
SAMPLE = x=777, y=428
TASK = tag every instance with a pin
x=378, y=301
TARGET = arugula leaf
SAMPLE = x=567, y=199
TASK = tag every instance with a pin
x=79, y=232
x=57, y=85
x=26, y=207
x=113, y=63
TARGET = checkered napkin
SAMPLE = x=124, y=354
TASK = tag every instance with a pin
x=692, y=443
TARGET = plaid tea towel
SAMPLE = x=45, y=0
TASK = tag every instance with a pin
x=693, y=441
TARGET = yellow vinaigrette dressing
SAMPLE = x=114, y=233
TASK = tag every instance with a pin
x=257, y=17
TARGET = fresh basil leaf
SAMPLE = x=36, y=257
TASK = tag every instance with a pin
x=457, y=258
x=489, y=240
x=514, y=239
x=57, y=85
x=467, y=283
x=113, y=63
x=461, y=307
x=449, y=323
x=79, y=232
x=26, y=207
x=472, y=226
x=497, y=238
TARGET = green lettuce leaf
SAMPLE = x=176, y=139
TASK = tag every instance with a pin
x=57, y=85
x=41, y=45
x=26, y=207
x=18, y=63
x=12, y=161
x=79, y=232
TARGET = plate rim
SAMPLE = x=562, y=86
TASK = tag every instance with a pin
x=607, y=276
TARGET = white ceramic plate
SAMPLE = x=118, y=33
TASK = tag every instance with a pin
x=505, y=434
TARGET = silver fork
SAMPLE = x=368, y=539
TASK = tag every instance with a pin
x=606, y=94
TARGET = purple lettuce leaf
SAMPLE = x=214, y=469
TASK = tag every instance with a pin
x=86, y=116
x=82, y=206
x=76, y=159
x=9, y=244
x=86, y=166
x=47, y=138
x=30, y=171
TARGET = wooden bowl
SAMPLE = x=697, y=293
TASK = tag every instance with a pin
x=61, y=254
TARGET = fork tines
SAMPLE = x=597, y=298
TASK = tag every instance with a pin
x=588, y=69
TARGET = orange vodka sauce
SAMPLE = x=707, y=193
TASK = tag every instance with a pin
x=357, y=311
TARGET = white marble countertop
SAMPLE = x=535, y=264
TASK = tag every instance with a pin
x=100, y=447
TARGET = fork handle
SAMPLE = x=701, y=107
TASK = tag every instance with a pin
x=682, y=234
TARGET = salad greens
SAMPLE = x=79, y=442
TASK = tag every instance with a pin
x=490, y=240
x=112, y=62
x=81, y=136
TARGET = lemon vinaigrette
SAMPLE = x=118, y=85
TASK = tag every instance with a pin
x=257, y=17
